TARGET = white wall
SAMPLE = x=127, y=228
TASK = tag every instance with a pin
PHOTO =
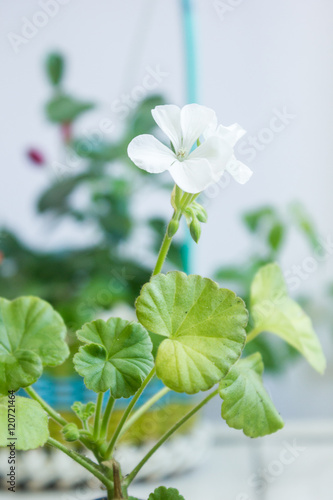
x=255, y=58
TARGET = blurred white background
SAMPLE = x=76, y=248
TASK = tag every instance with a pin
x=257, y=59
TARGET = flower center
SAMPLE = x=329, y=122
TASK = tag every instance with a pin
x=181, y=154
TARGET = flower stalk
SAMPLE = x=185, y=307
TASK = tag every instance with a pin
x=168, y=434
x=127, y=413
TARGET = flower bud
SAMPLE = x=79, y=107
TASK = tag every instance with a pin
x=201, y=213
x=71, y=432
x=195, y=229
x=173, y=227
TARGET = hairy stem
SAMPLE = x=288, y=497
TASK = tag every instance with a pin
x=106, y=416
x=183, y=200
x=97, y=418
x=53, y=414
x=84, y=461
x=145, y=407
x=127, y=412
x=166, y=436
x=162, y=254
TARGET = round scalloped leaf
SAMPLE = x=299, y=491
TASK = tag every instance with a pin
x=163, y=493
x=117, y=356
x=204, y=326
x=246, y=404
x=274, y=311
x=32, y=335
x=31, y=423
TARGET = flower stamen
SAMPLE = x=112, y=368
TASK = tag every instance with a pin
x=181, y=154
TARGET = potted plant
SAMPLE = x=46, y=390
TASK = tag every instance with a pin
x=85, y=283
x=202, y=329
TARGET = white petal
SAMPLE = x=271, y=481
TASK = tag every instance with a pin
x=217, y=151
x=231, y=134
x=168, y=119
x=240, y=172
x=210, y=130
x=192, y=175
x=195, y=119
x=150, y=154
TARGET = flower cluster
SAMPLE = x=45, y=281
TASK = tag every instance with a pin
x=192, y=168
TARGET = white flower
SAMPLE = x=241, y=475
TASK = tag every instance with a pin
x=192, y=171
x=240, y=172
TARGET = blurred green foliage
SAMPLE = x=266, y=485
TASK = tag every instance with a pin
x=269, y=230
x=81, y=283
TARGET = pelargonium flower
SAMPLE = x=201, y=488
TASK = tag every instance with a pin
x=239, y=171
x=193, y=170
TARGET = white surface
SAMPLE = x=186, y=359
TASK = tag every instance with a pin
x=260, y=56
x=264, y=55
x=294, y=464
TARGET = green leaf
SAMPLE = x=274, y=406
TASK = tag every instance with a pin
x=32, y=335
x=276, y=236
x=55, y=68
x=140, y=121
x=163, y=493
x=246, y=404
x=117, y=356
x=274, y=311
x=56, y=197
x=255, y=218
x=65, y=109
x=305, y=224
x=204, y=326
x=84, y=411
x=276, y=354
x=31, y=423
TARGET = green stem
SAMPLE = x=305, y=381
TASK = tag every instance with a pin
x=145, y=407
x=85, y=462
x=126, y=414
x=106, y=416
x=167, y=240
x=97, y=418
x=253, y=334
x=166, y=436
x=53, y=414
x=162, y=254
x=185, y=200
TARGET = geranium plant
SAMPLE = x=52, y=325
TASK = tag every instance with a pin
x=202, y=328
